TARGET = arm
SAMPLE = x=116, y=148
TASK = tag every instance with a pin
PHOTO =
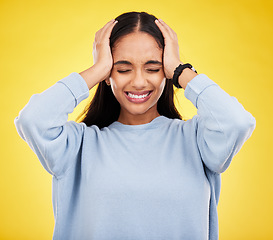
x=43, y=123
x=222, y=124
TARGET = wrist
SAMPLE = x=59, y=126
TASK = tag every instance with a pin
x=172, y=68
x=93, y=75
x=185, y=77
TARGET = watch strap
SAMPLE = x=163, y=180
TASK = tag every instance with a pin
x=178, y=71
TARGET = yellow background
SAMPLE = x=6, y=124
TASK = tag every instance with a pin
x=230, y=41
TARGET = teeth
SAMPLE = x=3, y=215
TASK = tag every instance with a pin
x=137, y=96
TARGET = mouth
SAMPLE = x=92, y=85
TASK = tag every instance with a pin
x=138, y=97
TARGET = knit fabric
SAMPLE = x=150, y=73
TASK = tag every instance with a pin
x=154, y=181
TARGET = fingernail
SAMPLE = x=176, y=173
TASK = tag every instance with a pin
x=156, y=21
x=115, y=21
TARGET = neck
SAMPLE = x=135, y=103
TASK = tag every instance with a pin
x=137, y=119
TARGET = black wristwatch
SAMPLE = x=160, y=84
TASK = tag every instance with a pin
x=178, y=71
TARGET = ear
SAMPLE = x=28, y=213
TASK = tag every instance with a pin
x=107, y=81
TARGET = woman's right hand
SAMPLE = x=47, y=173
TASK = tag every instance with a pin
x=101, y=48
x=103, y=60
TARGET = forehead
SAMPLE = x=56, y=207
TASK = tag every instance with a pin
x=137, y=47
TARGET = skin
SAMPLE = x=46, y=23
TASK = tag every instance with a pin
x=133, y=49
x=137, y=49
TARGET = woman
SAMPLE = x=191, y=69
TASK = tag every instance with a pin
x=133, y=169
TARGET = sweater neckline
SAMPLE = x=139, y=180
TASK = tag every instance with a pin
x=155, y=123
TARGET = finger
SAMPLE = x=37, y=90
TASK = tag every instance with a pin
x=107, y=24
x=109, y=28
x=106, y=30
x=101, y=31
x=165, y=29
x=169, y=29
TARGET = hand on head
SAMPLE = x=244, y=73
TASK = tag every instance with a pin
x=171, y=58
x=102, y=52
x=101, y=47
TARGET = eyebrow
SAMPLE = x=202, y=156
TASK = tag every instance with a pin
x=148, y=62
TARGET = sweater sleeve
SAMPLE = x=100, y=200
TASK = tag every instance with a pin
x=222, y=124
x=43, y=124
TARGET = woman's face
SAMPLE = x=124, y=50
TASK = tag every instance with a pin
x=137, y=78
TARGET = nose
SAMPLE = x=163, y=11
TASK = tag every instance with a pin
x=139, y=81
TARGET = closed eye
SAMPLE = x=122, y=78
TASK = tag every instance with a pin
x=123, y=71
x=149, y=70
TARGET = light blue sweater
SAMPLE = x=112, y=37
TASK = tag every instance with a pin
x=156, y=181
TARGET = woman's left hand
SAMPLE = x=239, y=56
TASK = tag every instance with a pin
x=171, y=58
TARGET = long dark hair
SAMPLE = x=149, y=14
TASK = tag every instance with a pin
x=104, y=109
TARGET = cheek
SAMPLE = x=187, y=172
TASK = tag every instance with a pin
x=117, y=80
x=162, y=85
x=116, y=85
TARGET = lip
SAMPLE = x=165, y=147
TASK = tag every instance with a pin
x=138, y=100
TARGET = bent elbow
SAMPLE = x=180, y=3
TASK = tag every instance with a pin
x=242, y=131
x=221, y=151
x=27, y=119
x=24, y=125
x=245, y=125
